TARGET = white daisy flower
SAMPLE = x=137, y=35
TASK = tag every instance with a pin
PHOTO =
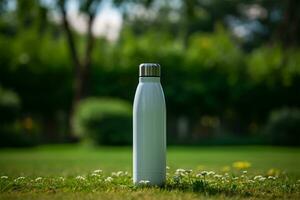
x=109, y=179
x=217, y=176
x=204, y=173
x=98, y=171
x=95, y=175
x=120, y=173
x=180, y=170
x=257, y=177
x=20, y=178
x=262, y=179
x=211, y=173
x=144, y=182
x=80, y=178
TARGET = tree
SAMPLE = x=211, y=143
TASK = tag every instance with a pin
x=81, y=64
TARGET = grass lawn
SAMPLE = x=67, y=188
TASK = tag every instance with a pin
x=66, y=172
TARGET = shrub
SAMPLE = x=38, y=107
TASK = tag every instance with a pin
x=14, y=131
x=105, y=121
x=9, y=105
x=283, y=127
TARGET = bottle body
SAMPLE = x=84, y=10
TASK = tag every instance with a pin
x=149, y=132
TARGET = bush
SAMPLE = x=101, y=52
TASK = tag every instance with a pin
x=105, y=121
x=13, y=131
x=9, y=105
x=283, y=127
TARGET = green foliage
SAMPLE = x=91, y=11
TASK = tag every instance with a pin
x=274, y=64
x=13, y=130
x=9, y=105
x=105, y=121
x=283, y=127
x=203, y=68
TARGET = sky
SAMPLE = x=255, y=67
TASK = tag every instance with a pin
x=108, y=21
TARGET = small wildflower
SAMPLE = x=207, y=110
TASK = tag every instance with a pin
x=204, y=173
x=245, y=172
x=20, y=178
x=199, y=175
x=262, y=179
x=61, y=178
x=80, y=178
x=211, y=173
x=120, y=173
x=98, y=171
x=251, y=181
x=217, y=176
x=167, y=167
x=38, y=179
x=4, y=177
x=114, y=174
x=272, y=177
x=95, y=175
x=109, y=179
x=180, y=170
x=144, y=182
x=257, y=177
x=241, y=165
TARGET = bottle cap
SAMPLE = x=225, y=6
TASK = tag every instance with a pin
x=149, y=70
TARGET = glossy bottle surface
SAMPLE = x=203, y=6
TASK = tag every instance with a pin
x=149, y=132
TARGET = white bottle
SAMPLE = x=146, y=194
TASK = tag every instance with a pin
x=149, y=127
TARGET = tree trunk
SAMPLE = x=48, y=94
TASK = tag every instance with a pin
x=289, y=29
x=81, y=69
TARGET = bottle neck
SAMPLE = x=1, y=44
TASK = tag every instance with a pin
x=149, y=79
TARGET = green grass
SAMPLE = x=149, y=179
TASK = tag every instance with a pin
x=52, y=162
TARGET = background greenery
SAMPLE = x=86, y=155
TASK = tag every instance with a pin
x=226, y=67
x=230, y=73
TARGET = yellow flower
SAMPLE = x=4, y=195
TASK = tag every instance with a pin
x=273, y=172
x=241, y=165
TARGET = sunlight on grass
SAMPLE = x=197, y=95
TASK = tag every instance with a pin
x=56, y=172
x=186, y=180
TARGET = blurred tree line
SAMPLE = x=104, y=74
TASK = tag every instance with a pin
x=230, y=70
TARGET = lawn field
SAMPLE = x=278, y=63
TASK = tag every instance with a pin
x=67, y=172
